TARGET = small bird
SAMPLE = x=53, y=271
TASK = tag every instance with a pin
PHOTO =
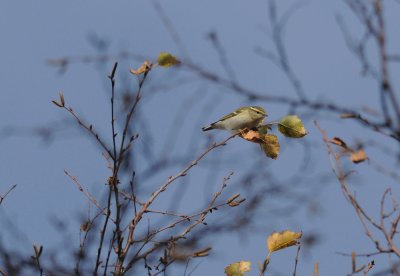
x=245, y=117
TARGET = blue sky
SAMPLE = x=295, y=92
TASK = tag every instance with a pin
x=33, y=33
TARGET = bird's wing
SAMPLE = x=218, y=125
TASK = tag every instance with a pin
x=230, y=115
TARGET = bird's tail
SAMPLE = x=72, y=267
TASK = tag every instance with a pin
x=207, y=128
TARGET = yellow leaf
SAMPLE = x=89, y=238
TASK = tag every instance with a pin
x=291, y=126
x=280, y=240
x=271, y=146
x=358, y=156
x=238, y=268
x=145, y=67
x=166, y=60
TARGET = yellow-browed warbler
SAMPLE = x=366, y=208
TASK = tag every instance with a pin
x=245, y=117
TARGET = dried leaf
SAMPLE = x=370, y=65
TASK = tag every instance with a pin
x=339, y=142
x=62, y=98
x=202, y=253
x=238, y=268
x=271, y=146
x=358, y=156
x=252, y=136
x=291, y=126
x=348, y=115
x=145, y=67
x=38, y=252
x=236, y=203
x=232, y=198
x=280, y=240
x=85, y=226
x=166, y=60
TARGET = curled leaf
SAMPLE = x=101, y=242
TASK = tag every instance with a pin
x=166, y=60
x=38, y=252
x=236, y=203
x=252, y=136
x=232, y=198
x=358, y=156
x=62, y=100
x=145, y=67
x=339, y=142
x=238, y=268
x=291, y=126
x=202, y=253
x=348, y=115
x=280, y=240
x=271, y=146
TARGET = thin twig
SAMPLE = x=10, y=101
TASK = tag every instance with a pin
x=103, y=231
x=296, y=260
x=361, y=213
x=85, y=192
x=200, y=220
x=36, y=258
x=9, y=191
x=156, y=193
x=89, y=128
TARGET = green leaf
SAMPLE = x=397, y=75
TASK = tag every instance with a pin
x=280, y=240
x=238, y=268
x=271, y=146
x=166, y=60
x=291, y=126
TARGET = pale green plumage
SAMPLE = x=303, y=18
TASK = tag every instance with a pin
x=244, y=117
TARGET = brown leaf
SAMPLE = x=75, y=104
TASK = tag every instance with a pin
x=358, y=156
x=145, y=67
x=232, y=198
x=348, y=115
x=202, y=253
x=85, y=226
x=62, y=100
x=339, y=142
x=236, y=203
x=252, y=136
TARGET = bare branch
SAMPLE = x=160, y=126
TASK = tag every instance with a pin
x=2, y=197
